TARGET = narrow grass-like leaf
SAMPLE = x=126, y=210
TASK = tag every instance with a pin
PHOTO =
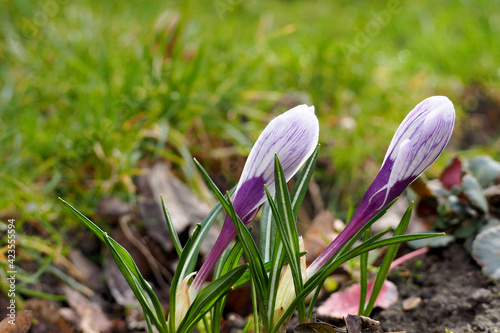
x=267, y=233
x=384, y=268
x=91, y=225
x=297, y=196
x=207, y=297
x=386, y=242
x=228, y=262
x=206, y=323
x=223, y=201
x=45, y=265
x=363, y=280
x=274, y=275
x=256, y=265
x=350, y=213
x=342, y=256
x=255, y=308
x=300, y=187
x=127, y=260
x=171, y=228
x=246, y=329
x=192, y=254
x=318, y=278
x=252, y=255
x=39, y=294
x=179, y=275
x=245, y=278
x=312, y=302
x=314, y=282
x=205, y=224
x=134, y=284
x=148, y=324
x=358, y=234
x=144, y=284
x=286, y=221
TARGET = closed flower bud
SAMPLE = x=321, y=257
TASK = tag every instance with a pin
x=293, y=136
x=418, y=142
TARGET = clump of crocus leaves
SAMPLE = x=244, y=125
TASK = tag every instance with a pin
x=463, y=202
x=276, y=268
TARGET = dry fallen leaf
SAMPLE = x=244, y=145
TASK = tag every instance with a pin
x=88, y=272
x=317, y=328
x=185, y=208
x=123, y=294
x=20, y=324
x=322, y=231
x=47, y=316
x=112, y=207
x=358, y=324
x=92, y=319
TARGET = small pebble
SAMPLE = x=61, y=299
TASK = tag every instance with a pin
x=481, y=295
x=411, y=303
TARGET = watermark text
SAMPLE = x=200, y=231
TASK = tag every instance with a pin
x=11, y=271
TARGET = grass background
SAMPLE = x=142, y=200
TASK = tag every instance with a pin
x=90, y=91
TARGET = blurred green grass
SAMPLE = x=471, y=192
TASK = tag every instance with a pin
x=90, y=90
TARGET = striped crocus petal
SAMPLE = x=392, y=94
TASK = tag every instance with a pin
x=418, y=142
x=293, y=136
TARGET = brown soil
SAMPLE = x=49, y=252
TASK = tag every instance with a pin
x=455, y=296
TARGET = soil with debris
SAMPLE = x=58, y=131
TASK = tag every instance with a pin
x=448, y=292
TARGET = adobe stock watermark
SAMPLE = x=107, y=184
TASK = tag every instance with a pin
x=11, y=271
x=47, y=9
x=224, y=6
x=380, y=19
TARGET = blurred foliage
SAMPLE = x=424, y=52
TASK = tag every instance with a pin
x=464, y=200
x=90, y=90
x=464, y=203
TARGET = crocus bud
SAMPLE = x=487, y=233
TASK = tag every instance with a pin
x=418, y=142
x=293, y=136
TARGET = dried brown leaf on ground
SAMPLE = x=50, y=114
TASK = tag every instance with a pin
x=91, y=319
x=185, y=208
x=112, y=208
x=323, y=229
x=123, y=294
x=353, y=323
x=21, y=323
x=358, y=324
x=317, y=328
x=88, y=272
x=47, y=316
x=130, y=233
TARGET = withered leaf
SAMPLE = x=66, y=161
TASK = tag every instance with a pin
x=21, y=323
x=317, y=328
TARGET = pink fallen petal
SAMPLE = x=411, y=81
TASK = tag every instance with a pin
x=342, y=303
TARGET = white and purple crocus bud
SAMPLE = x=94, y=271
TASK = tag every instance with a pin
x=418, y=142
x=293, y=136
